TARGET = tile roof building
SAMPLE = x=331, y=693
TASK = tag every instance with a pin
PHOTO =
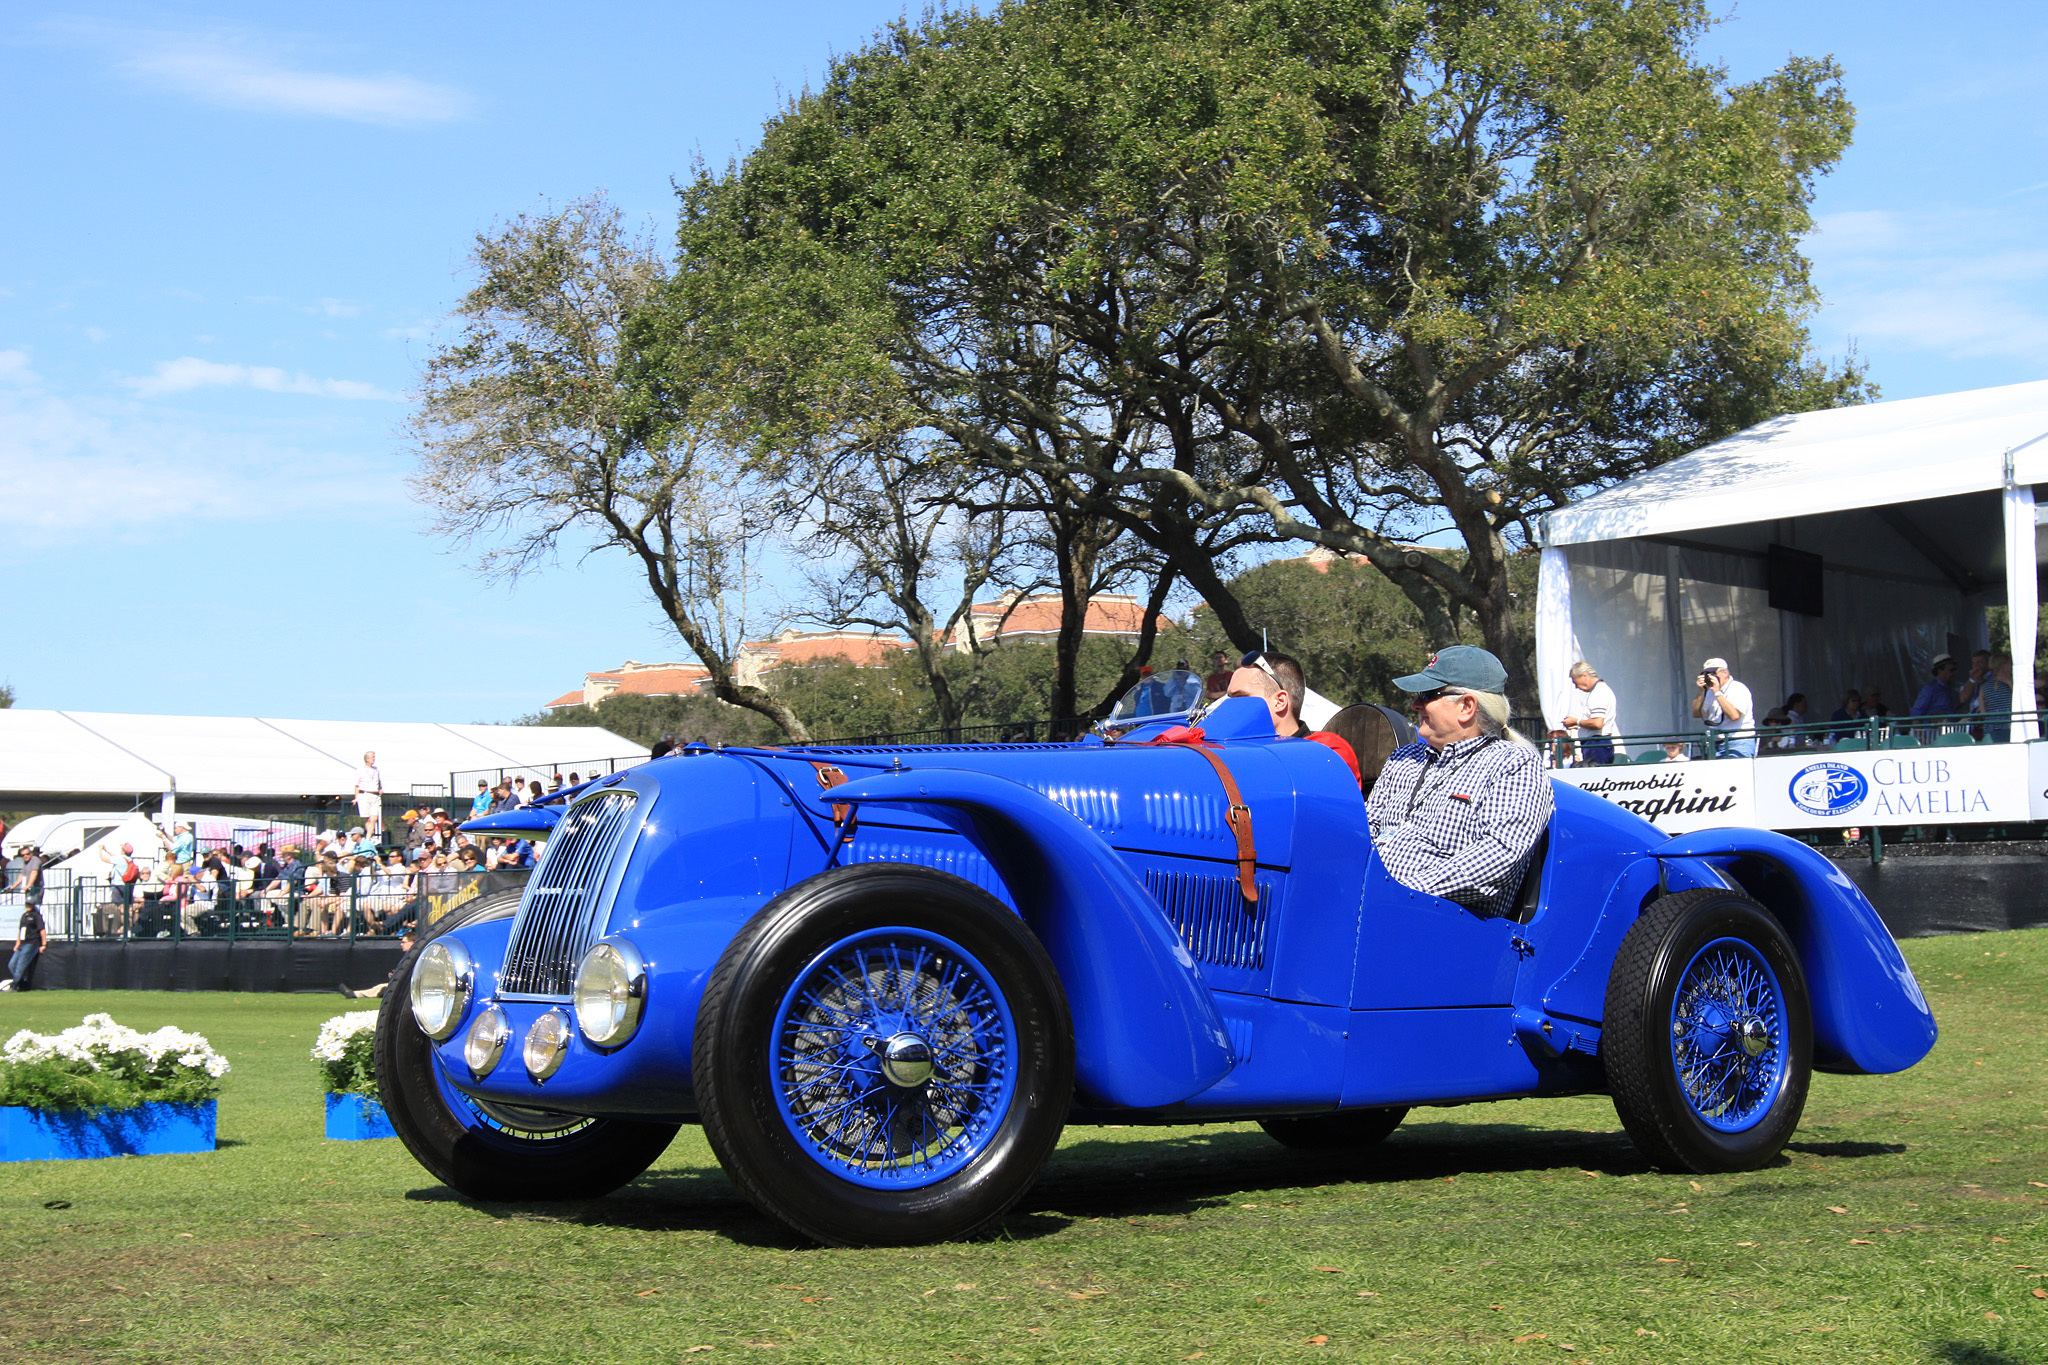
x=647, y=680
x=1038, y=618
x=755, y=660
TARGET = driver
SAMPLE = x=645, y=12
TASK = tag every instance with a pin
x=1457, y=813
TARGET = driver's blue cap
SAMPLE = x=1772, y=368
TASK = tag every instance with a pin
x=1466, y=666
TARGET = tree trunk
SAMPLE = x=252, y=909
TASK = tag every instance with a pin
x=1497, y=629
x=1074, y=600
x=1148, y=636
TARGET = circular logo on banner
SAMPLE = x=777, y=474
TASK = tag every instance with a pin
x=1828, y=788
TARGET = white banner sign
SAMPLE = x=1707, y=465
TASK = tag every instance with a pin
x=2037, y=780
x=1961, y=785
x=1675, y=797
x=1981, y=784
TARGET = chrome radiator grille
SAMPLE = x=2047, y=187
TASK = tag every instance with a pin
x=558, y=916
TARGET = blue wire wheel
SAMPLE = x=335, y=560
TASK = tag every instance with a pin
x=1728, y=1035
x=895, y=1058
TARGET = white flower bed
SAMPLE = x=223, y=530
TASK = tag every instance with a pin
x=346, y=1051
x=98, y=1040
x=332, y=1045
x=99, y=1063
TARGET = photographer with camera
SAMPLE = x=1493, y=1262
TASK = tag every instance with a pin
x=1725, y=706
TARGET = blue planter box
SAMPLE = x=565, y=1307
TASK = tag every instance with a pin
x=355, y=1118
x=154, y=1129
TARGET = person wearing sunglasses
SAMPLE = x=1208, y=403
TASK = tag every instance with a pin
x=1278, y=680
x=1457, y=813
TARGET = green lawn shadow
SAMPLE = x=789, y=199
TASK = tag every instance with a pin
x=1134, y=1175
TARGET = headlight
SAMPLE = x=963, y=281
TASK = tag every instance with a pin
x=610, y=991
x=547, y=1042
x=441, y=982
x=486, y=1042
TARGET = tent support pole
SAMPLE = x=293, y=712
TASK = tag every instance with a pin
x=1674, y=637
x=2022, y=601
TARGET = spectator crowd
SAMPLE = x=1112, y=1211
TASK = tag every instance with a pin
x=359, y=880
x=1953, y=706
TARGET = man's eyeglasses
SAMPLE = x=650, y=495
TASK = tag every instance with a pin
x=1422, y=699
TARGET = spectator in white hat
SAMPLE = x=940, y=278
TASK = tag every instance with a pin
x=1725, y=705
x=1938, y=697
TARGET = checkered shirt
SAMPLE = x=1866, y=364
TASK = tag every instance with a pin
x=1479, y=807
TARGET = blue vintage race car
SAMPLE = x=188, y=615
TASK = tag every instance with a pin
x=885, y=979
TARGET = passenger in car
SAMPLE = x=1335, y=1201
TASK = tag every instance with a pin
x=1457, y=813
x=1279, y=680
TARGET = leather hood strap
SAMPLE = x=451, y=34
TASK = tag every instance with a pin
x=829, y=776
x=1239, y=818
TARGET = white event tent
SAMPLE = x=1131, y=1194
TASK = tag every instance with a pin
x=1922, y=514
x=54, y=760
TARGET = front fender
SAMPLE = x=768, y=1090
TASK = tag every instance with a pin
x=1146, y=1032
x=1869, y=1016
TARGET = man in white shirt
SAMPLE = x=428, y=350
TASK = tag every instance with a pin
x=1724, y=704
x=370, y=795
x=1589, y=716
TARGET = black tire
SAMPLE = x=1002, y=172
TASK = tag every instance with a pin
x=1335, y=1132
x=743, y=1076
x=501, y=1154
x=1648, y=1041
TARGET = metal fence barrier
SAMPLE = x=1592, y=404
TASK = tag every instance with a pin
x=1836, y=736
x=370, y=904
x=462, y=785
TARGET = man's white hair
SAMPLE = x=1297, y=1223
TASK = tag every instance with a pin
x=1493, y=713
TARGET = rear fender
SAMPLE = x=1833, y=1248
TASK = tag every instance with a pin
x=1869, y=1016
x=1146, y=1032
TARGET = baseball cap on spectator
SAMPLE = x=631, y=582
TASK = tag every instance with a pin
x=1939, y=660
x=1713, y=665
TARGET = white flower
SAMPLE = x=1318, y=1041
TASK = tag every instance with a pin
x=332, y=1045
x=97, y=1039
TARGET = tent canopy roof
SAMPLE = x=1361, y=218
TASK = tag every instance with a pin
x=1834, y=460
x=248, y=756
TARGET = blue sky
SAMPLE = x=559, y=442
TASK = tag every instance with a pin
x=230, y=230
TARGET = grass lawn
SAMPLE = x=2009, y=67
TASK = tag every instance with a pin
x=1906, y=1224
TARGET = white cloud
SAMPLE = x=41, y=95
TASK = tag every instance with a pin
x=1965, y=284
x=336, y=308
x=79, y=469
x=238, y=72
x=190, y=372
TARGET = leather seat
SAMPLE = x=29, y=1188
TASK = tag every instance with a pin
x=1529, y=896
